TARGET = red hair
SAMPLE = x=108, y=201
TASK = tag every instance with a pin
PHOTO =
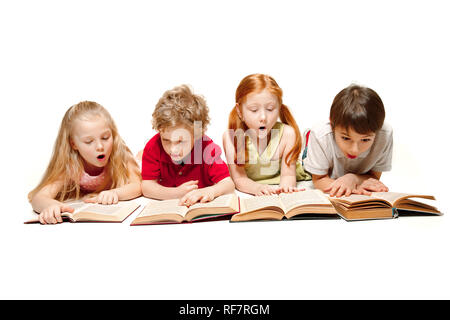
x=256, y=83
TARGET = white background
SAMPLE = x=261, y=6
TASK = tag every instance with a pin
x=125, y=54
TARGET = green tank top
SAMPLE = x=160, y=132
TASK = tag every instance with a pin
x=261, y=168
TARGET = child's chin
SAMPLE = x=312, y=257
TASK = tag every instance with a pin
x=262, y=134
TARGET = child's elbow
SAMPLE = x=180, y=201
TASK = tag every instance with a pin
x=228, y=185
x=320, y=182
x=146, y=188
x=137, y=189
x=231, y=187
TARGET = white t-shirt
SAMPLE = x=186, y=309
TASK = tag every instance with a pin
x=323, y=156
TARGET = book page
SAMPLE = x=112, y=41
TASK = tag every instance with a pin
x=95, y=212
x=394, y=196
x=219, y=202
x=353, y=198
x=307, y=197
x=157, y=207
x=77, y=205
x=259, y=202
x=104, y=209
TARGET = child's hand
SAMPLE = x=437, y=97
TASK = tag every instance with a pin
x=104, y=197
x=290, y=189
x=187, y=187
x=52, y=214
x=198, y=195
x=266, y=190
x=370, y=185
x=342, y=186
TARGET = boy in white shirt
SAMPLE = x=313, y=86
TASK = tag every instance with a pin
x=348, y=154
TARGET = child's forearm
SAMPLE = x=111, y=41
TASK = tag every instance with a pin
x=288, y=181
x=322, y=183
x=152, y=189
x=129, y=191
x=247, y=185
x=224, y=186
x=39, y=203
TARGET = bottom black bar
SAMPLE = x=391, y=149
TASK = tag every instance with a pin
x=226, y=309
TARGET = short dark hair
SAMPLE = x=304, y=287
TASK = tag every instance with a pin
x=358, y=108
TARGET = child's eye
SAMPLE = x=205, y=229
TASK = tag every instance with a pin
x=106, y=138
x=365, y=140
x=345, y=138
x=88, y=142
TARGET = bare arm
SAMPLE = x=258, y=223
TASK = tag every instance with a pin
x=288, y=176
x=45, y=197
x=224, y=186
x=152, y=189
x=131, y=190
x=49, y=209
x=322, y=182
x=242, y=182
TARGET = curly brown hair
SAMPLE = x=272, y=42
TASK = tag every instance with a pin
x=180, y=106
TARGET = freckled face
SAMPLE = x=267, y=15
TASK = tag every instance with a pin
x=351, y=143
x=177, y=141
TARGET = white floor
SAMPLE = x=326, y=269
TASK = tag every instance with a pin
x=305, y=259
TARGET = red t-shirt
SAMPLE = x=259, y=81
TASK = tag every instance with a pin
x=205, y=164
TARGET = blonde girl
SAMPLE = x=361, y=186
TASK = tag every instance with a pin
x=89, y=160
x=263, y=141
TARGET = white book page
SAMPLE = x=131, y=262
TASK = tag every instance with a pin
x=156, y=207
x=106, y=209
x=219, y=202
x=354, y=198
x=259, y=202
x=296, y=199
x=389, y=196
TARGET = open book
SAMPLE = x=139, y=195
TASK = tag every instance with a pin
x=168, y=211
x=93, y=212
x=302, y=204
x=382, y=205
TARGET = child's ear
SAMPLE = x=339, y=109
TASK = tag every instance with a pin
x=72, y=144
x=238, y=111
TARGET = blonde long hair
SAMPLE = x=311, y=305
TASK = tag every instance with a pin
x=66, y=164
x=256, y=83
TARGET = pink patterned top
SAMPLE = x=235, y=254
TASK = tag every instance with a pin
x=91, y=183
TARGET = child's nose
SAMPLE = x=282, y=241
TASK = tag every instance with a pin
x=354, y=149
x=262, y=116
x=99, y=146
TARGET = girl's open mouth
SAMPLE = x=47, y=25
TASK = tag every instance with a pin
x=101, y=157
